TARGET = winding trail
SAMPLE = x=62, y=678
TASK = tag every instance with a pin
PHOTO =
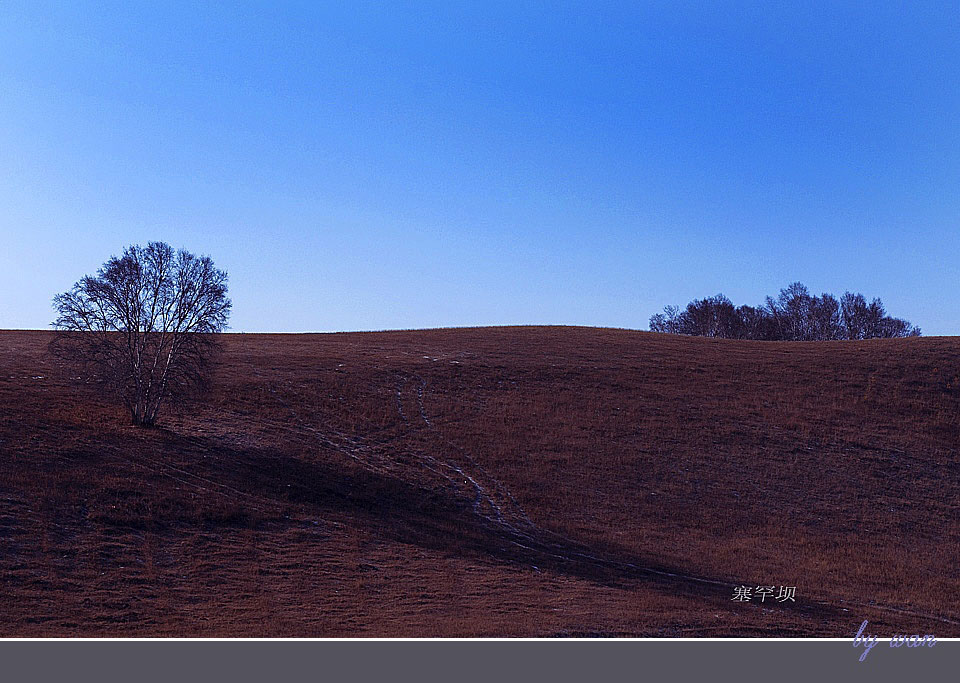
x=531, y=537
x=492, y=504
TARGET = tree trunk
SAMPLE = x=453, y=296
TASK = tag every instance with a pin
x=141, y=418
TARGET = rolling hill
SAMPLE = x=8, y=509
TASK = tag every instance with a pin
x=517, y=481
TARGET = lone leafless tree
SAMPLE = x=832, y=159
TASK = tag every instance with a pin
x=144, y=328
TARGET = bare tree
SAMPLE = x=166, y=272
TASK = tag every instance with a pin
x=669, y=321
x=825, y=321
x=145, y=326
x=710, y=317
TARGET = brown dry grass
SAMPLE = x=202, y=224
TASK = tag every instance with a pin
x=490, y=482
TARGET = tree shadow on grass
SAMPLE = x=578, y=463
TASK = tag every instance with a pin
x=443, y=521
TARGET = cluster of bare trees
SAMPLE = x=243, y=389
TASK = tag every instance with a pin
x=794, y=315
x=143, y=328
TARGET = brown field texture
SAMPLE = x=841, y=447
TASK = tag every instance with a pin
x=524, y=481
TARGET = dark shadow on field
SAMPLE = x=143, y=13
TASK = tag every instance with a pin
x=441, y=521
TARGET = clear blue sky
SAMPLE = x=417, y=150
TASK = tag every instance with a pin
x=394, y=165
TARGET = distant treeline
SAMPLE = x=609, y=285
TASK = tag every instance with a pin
x=793, y=316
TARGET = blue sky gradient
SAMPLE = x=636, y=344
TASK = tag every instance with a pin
x=398, y=165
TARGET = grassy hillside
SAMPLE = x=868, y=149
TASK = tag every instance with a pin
x=532, y=481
